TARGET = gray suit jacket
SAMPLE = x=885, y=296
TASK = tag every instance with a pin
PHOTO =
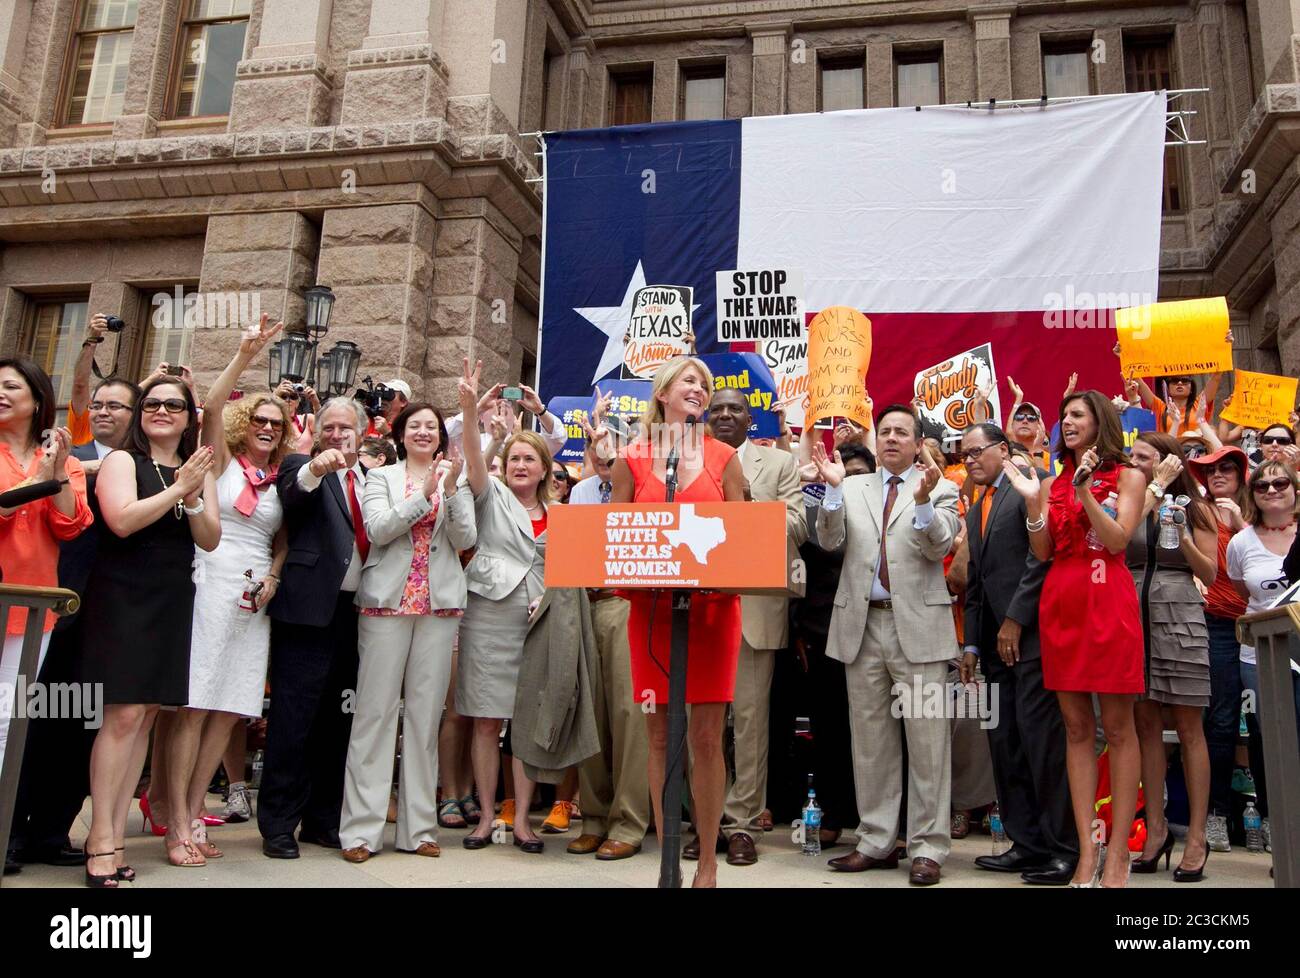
x=1004, y=578
x=389, y=515
x=554, y=723
x=772, y=476
x=506, y=553
x=922, y=604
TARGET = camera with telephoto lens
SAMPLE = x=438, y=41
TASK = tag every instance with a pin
x=115, y=325
x=374, y=397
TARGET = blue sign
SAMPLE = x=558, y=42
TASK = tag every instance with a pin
x=748, y=373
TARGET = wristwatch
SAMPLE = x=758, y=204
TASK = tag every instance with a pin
x=92, y=340
x=1157, y=490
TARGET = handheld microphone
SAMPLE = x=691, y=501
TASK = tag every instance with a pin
x=30, y=493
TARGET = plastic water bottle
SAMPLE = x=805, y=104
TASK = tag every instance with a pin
x=812, y=826
x=997, y=831
x=256, y=781
x=1254, y=828
x=1168, y=529
x=1110, y=507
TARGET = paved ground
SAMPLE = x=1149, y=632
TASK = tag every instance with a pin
x=780, y=865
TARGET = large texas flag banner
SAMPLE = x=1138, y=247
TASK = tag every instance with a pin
x=949, y=227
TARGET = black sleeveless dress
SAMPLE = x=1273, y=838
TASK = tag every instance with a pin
x=139, y=605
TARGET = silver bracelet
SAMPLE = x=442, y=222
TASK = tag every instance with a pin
x=196, y=510
x=1035, y=525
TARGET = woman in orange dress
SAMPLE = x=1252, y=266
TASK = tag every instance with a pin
x=708, y=471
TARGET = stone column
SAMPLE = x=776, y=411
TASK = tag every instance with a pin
x=769, y=73
x=581, y=108
x=379, y=262
x=664, y=90
x=283, y=84
x=992, y=52
x=397, y=73
x=1109, y=72
x=880, y=75
x=151, y=69
x=477, y=263
x=272, y=254
x=483, y=45
x=14, y=19
x=1279, y=32
x=1285, y=227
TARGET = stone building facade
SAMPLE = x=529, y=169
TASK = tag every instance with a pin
x=247, y=149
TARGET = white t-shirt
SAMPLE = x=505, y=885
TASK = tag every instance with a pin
x=1261, y=570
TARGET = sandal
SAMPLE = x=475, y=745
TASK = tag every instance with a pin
x=451, y=815
x=199, y=836
x=108, y=881
x=124, y=873
x=472, y=812
x=191, y=858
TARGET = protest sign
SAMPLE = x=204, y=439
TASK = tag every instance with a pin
x=761, y=305
x=1165, y=339
x=839, y=352
x=947, y=391
x=657, y=328
x=571, y=411
x=1259, y=400
x=748, y=374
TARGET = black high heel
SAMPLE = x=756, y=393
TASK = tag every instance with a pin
x=124, y=874
x=1192, y=875
x=1166, y=849
x=108, y=881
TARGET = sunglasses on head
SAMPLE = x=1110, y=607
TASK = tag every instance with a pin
x=172, y=405
x=1278, y=485
x=1276, y=440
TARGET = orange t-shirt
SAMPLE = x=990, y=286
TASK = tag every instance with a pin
x=79, y=427
x=29, y=537
x=1191, y=420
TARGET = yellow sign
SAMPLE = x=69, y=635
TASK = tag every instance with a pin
x=1259, y=400
x=839, y=352
x=1166, y=339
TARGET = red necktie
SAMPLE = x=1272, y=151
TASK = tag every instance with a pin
x=358, y=524
x=884, y=530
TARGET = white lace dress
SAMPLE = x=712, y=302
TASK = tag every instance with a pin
x=229, y=649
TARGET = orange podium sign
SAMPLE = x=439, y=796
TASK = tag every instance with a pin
x=737, y=547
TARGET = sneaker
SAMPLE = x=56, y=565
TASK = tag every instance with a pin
x=1243, y=783
x=1216, y=834
x=507, y=815
x=558, y=820
x=1268, y=838
x=238, y=806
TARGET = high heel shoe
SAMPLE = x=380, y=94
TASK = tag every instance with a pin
x=1149, y=865
x=1192, y=875
x=106, y=882
x=199, y=836
x=1128, y=868
x=148, y=820
x=124, y=874
x=1091, y=882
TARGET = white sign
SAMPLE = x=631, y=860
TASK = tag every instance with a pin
x=947, y=390
x=656, y=331
x=760, y=305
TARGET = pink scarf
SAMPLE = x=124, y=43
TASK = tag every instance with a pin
x=258, y=480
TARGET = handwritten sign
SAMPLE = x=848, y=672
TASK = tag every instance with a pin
x=656, y=331
x=1166, y=339
x=746, y=373
x=1260, y=400
x=756, y=306
x=839, y=352
x=947, y=391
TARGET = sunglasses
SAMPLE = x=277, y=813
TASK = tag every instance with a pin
x=1178, y=380
x=1224, y=468
x=275, y=424
x=109, y=405
x=1025, y=416
x=173, y=405
x=1277, y=440
x=1276, y=485
x=560, y=476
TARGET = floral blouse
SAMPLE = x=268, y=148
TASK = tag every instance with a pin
x=415, y=597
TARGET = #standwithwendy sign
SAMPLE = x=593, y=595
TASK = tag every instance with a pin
x=949, y=228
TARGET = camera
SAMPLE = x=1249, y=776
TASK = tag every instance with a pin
x=115, y=325
x=374, y=397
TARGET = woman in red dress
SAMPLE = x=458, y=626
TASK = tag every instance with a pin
x=708, y=471
x=1089, y=622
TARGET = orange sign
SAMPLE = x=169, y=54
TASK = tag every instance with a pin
x=718, y=546
x=839, y=352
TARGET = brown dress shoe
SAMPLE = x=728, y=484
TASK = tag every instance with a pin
x=613, y=849
x=741, y=851
x=925, y=872
x=856, y=862
x=428, y=849
x=584, y=845
x=357, y=854
x=692, y=849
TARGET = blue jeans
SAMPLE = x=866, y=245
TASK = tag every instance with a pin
x=1223, y=718
x=1250, y=679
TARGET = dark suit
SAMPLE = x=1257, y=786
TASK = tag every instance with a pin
x=55, y=776
x=313, y=660
x=1028, y=741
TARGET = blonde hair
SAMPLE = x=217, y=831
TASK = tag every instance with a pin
x=238, y=414
x=1251, y=513
x=534, y=441
x=664, y=378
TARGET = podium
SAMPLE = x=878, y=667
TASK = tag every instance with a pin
x=1275, y=633
x=736, y=548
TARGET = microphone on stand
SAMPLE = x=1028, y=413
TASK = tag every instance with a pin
x=670, y=467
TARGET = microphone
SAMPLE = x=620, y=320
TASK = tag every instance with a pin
x=30, y=493
x=670, y=467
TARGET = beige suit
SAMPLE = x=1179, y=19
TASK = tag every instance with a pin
x=765, y=627
x=908, y=645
